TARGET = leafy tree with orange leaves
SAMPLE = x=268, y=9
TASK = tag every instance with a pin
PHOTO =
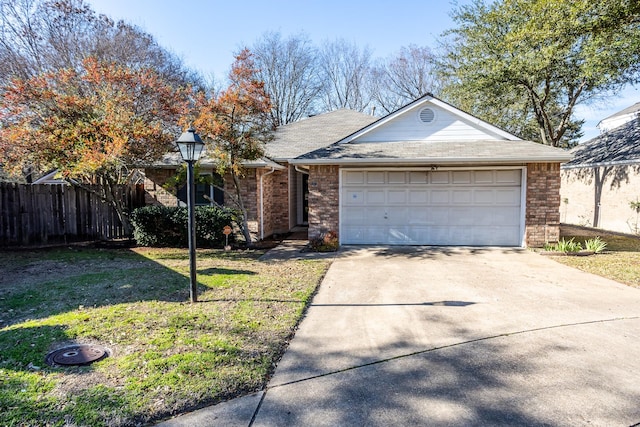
x=235, y=125
x=94, y=124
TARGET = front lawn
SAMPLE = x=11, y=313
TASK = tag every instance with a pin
x=167, y=355
x=619, y=262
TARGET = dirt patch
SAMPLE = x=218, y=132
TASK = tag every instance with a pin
x=15, y=276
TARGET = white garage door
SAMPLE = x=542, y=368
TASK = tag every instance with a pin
x=419, y=207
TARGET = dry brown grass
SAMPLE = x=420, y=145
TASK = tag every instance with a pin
x=620, y=261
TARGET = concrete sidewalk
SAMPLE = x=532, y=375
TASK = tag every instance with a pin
x=453, y=336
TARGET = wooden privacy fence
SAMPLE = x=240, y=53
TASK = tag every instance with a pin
x=37, y=214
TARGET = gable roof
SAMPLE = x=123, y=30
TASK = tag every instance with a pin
x=303, y=136
x=635, y=108
x=425, y=100
x=619, y=146
x=482, y=143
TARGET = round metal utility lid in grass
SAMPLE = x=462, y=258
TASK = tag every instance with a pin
x=80, y=354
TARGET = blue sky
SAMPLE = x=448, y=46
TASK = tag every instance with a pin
x=206, y=33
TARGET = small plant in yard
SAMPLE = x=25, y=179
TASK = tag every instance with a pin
x=564, y=246
x=621, y=262
x=595, y=245
x=327, y=242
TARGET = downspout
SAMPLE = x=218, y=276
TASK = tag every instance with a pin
x=302, y=171
x=262, y=201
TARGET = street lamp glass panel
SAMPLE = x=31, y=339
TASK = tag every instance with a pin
x=190, y=145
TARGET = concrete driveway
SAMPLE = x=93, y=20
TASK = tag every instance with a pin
x=447, y=336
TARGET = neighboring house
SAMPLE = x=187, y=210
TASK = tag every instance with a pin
x=50, y=177
x=426, y=174
x=620, y=118
x=603, y=179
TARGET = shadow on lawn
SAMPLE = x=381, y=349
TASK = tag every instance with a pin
x=45, y=283
x=225, y=271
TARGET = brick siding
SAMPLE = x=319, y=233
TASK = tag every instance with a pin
x=277, y=188
x=249, y=194
x=542, y=218
x=154, y=194
x=324, y=200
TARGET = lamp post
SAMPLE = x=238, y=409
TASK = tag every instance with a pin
x=190, y=145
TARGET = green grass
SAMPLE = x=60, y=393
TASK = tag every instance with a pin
x=620, y=261
x=167, y=355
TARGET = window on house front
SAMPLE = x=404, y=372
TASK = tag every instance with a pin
x=208, y=191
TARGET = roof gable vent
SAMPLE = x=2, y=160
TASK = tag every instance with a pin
x=427, y=115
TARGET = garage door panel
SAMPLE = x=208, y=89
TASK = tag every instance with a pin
x=419, y=216
x=440, y=197
x=376, y=216
x=484, y=177
x=353, y=198
x=438, y=215
x=377, y=197
x=461, y=177
x=353, y=215
x=353, y=234
x=419, y=177
x=398, y=197
x=354, y=177
x=439, y=177
x=375, y=178
x=508, y=216
x=509, y=176
x=461, y=197
x=508, y=196
x=447, y=207
x=377, y=235
x=484, y=197
x=399, y=235
x=397, y=215
x=459, y=216
x=418, y=197
x=397, y=178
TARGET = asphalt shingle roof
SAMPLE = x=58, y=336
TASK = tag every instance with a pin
x=173, y=159
x=295, y=139
x=435, y=152
x=620, y=145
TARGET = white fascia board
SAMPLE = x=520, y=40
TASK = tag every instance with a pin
x=433, y=161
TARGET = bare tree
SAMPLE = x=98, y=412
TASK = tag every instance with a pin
x=406, y=76
x=344, y=70
x=49, y=35
x=21, y=49
x=289, y=70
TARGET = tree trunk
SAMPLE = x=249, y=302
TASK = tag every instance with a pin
x=598, y=182
x=244, y=227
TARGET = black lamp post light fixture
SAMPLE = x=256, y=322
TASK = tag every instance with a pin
x=190, y=145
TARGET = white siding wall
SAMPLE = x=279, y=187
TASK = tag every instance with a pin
x=445, y=127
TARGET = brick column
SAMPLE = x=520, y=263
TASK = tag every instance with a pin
x=324, y=200
x=279, y=201
x=542, y=219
